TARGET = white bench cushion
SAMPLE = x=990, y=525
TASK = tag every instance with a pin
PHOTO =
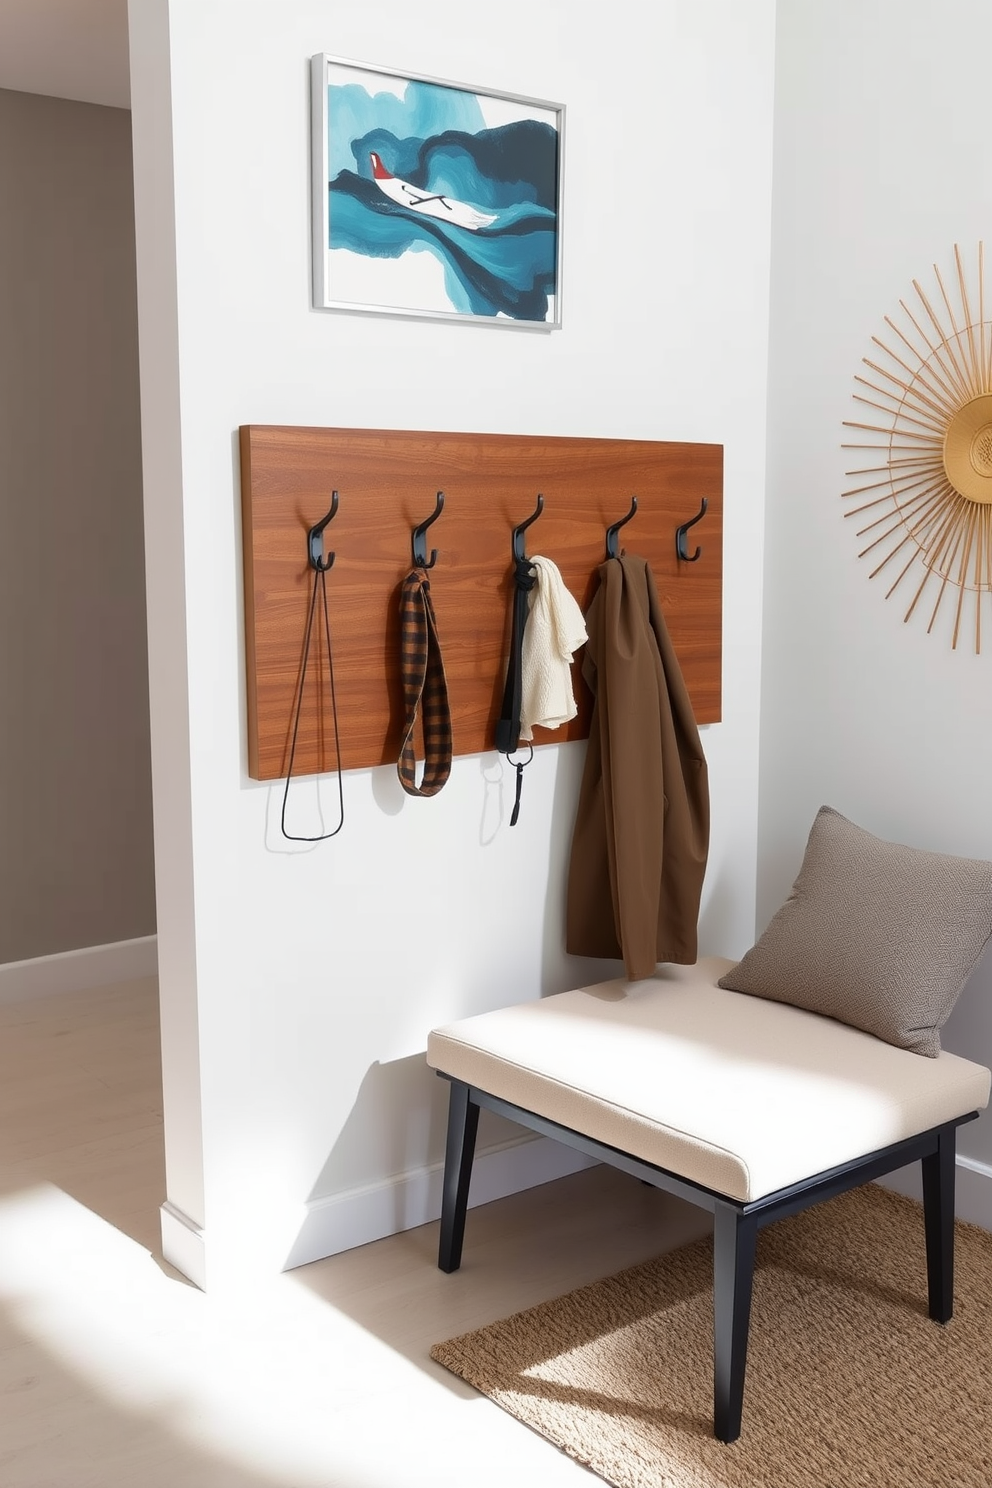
x=738, y=1094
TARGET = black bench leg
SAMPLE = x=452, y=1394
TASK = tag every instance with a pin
x=463, y=1123
x=734, y=1241
x=938, y=1218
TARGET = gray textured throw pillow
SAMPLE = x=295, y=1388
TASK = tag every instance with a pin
x=874, y=934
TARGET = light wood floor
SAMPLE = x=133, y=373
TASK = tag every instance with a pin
x=115, y=1371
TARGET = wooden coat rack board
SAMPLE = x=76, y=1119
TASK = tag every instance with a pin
x=387, y=482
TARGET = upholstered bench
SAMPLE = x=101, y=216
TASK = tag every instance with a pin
x=752, y=1109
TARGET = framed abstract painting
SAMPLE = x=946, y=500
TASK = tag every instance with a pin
x=434, y=199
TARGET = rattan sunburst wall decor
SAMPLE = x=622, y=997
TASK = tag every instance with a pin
x=926, y=506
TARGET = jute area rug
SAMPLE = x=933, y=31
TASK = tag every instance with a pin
x=849, y=1383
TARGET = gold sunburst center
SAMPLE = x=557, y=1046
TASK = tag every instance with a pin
x=968, y=450
x=981, y=451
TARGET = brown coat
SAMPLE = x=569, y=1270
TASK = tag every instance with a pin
x=642, y=826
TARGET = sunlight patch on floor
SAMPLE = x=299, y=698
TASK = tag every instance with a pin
x=274, y=1379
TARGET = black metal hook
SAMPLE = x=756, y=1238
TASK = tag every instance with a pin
x=612, y=542
x=315, y=539
x=518, y=532
x=419, y=540
x=680, y=533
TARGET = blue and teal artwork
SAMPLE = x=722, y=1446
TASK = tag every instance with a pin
x=440, y=200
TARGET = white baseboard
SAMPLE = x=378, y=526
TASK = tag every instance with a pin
x=972, y=1188
x=182, y=1244
x=346, y=1220
x=75, y=971
x=354, y=1218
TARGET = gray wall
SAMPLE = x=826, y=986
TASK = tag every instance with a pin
x=75, y=789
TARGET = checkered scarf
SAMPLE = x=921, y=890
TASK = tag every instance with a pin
x=425, y=690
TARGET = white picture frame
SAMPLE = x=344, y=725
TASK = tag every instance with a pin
x=434, y=199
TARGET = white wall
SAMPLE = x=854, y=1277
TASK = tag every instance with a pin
x=881, y=166
x=299, y=985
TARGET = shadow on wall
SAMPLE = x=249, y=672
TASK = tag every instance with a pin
x=395, y=1131
x=396, y=1126
x=968, y=1030
x=383, y=1173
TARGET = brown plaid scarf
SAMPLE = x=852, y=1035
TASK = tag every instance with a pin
x=423, y=684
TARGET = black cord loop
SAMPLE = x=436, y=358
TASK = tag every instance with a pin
x=319, y=578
